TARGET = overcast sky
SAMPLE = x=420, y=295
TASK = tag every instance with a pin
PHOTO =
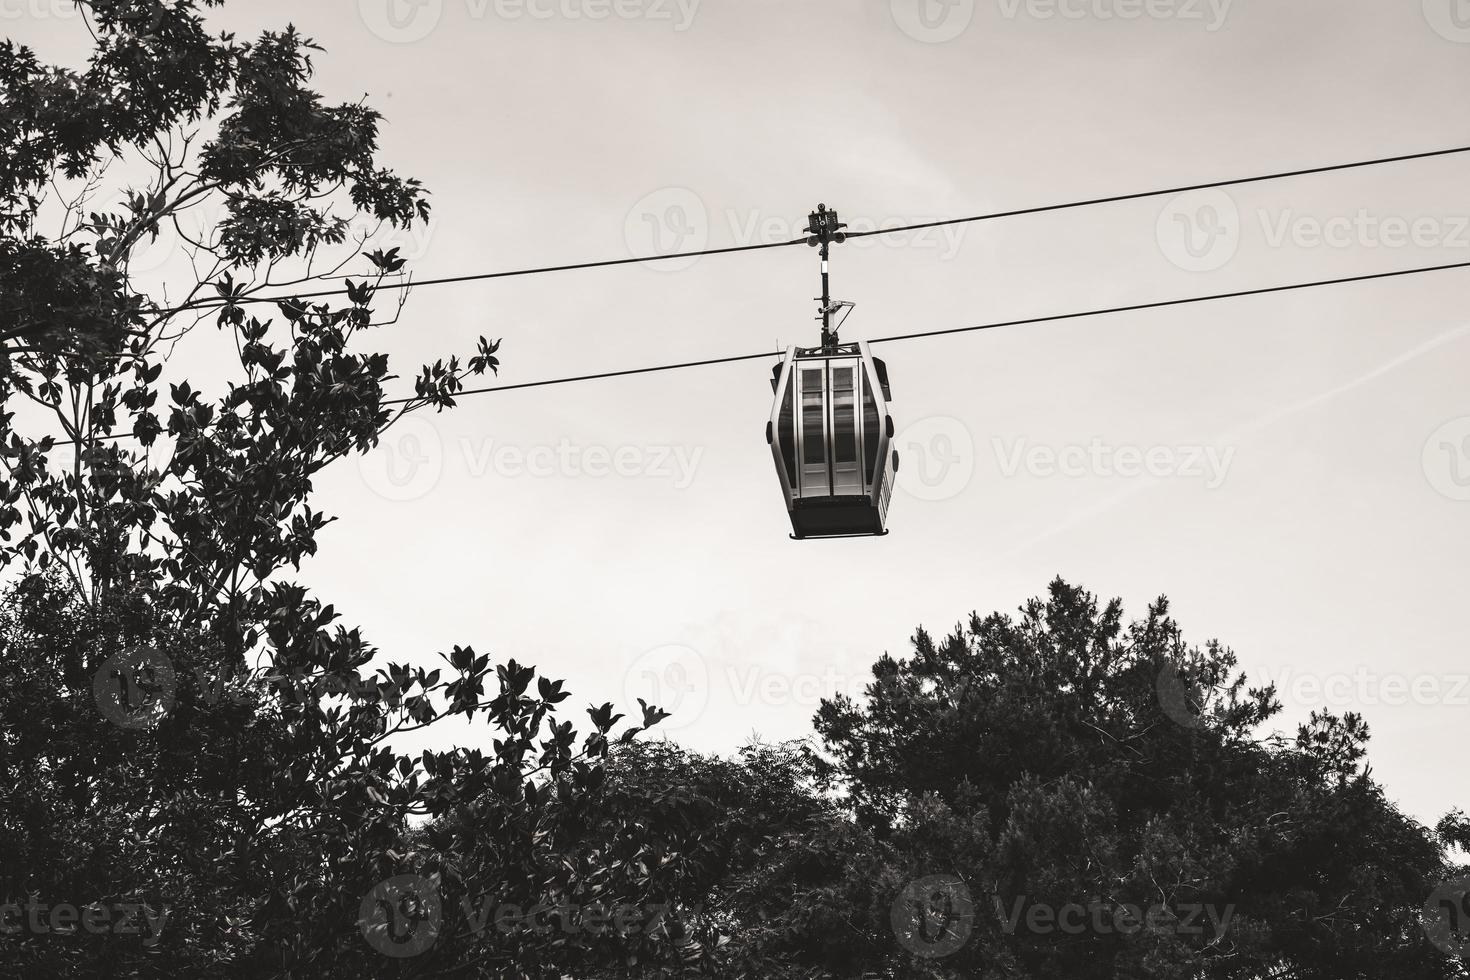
x=1292, y=470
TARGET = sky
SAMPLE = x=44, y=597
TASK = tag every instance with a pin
x=1291, y=470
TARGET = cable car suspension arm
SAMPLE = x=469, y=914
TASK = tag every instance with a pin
x=824, y=228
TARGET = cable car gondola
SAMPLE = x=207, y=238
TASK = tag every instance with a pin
x=830, y=432
x=830, y=435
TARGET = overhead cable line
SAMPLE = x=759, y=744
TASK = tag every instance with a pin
x=1025, y=321
x=213, y=303
x=1216, y=185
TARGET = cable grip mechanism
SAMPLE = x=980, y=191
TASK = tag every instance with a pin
x=824, y=228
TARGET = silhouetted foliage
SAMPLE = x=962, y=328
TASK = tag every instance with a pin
x=1062, y=759
x=255, y=801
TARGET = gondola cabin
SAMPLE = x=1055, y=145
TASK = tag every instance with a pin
x=830, y=434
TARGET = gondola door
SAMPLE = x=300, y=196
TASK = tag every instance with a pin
x=843, y=424
x=813, y=430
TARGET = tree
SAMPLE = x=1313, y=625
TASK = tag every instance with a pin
x=745, y=864
x=239, y=778
x=1037, y=773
